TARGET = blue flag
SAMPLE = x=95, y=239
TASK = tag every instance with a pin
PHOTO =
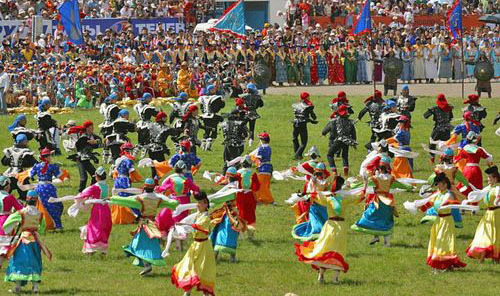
x=454, y=21
x=363, y=23
x=232, y=21
x=70, y=19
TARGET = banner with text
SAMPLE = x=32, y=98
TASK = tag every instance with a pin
x=94, y=26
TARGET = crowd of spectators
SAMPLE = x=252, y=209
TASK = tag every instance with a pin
x=191, y=11
x=167, y=62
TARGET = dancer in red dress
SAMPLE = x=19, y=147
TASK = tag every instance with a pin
x=472, y=153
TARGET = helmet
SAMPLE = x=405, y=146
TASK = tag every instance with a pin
x=21, y=138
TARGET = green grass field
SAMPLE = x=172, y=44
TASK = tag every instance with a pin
x=268, y=265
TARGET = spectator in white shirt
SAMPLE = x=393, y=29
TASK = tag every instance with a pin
x=4, y=87
x=126, y=12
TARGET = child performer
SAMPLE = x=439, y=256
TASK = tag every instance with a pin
x=25, y=252
x=486, y=242
x=265, y=170
x=145, y=246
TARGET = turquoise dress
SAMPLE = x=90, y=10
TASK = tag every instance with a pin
x=311, y=229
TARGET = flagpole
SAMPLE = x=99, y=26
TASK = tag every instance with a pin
x=373, y=68
x=463, y=67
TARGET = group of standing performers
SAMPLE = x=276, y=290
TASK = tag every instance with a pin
x=162, y=207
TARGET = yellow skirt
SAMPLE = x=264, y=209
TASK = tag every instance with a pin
x=328, y=250
x=486, y=241
x=196, y=269
x=441, y=253
x=264, y=194
x=401, y=168
x=121, y=215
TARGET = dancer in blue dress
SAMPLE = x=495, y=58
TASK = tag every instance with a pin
x=25, y=250
x=378, y=217
x=318, y=214
x=46, y=171
x=192, y=161
x=145, y=246
x=125, y=175
x=228, y=223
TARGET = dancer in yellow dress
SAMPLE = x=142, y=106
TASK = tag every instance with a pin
x=197, y=268
x=329, y=250
x=441, y=253
x=486, y=242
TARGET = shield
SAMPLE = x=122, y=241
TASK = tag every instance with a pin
x=484, y=71
x=393, y=67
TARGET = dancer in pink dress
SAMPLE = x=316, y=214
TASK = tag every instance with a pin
x=96, y=233
x=7, y=203
x=179, y=186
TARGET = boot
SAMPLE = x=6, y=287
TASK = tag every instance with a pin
x=147, y=269
x=346, y=171
x=208, y=145
x=34, y=290
x=375, y=240
x=216, y=256
x=233, y=258
x=321, y=276
x=203, y=145
x=431, y=160
x=387, y=241
x=250, y=143
x=336, y=274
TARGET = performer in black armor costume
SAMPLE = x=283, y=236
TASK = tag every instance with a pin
x=121, y=127
x=190, y=126
x=442, y=114
x=405, y=102
x=303, y=112
x=179, y=107
x=47, y=126
x=253, y=101
x=144, y=112
x=478, y=112
x=85, y=144
x=211, y=104
x=18, y=158
x=388, y=121
x=110, y=111
x=159, y=131
x=340, y=100
x=19, y=127
x=373, y=106
x=342, y=135
x=235, y=131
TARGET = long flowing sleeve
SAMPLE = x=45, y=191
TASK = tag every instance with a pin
x=169, y=203
x=126, y=202
x=12, y=221
x=399, y=185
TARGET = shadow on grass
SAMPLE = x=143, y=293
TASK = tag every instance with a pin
x=347, y=282
x=407, y=246
x=72, y=291
x=465, y=236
